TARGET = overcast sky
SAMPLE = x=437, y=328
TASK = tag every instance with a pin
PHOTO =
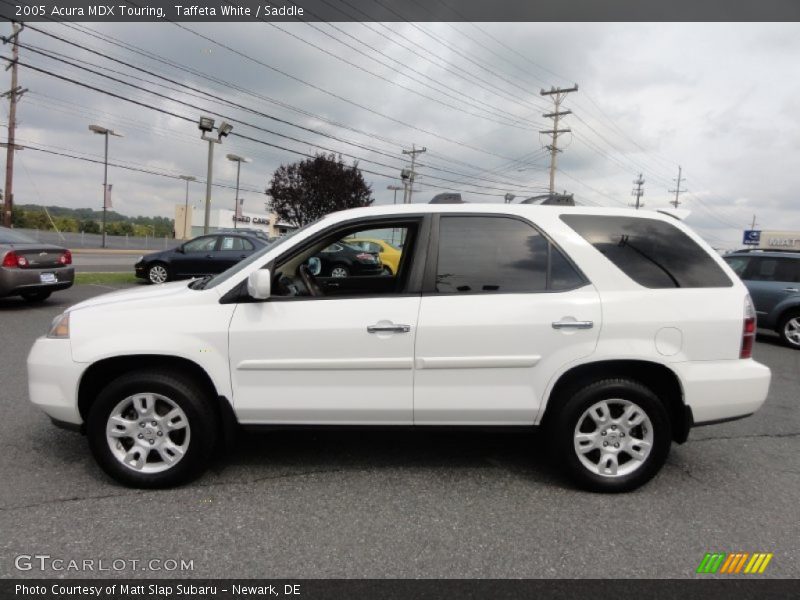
x=718, y=99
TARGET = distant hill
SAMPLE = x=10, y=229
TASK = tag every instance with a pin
x=32, y=216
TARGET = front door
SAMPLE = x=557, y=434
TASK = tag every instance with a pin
x=505, y=311
x=342, y=355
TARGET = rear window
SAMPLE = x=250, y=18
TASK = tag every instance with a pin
x=653, y=253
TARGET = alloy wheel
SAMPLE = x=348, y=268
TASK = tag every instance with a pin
x=158, y=274
x=613, y=438
x=339, y=272
x=791, y=331
x=148, y=433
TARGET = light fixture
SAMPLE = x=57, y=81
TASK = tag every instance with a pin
x=206, y=124
x=224, y=129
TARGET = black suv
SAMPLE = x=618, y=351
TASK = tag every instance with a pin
x=773, y=279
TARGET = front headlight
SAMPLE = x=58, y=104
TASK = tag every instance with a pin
x=59, y=328
x=140, y=259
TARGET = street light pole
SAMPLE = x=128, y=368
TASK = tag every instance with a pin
x=238, y=160
x=206, y=125
x=104, y=131
x=395, y=188
x=187, y=179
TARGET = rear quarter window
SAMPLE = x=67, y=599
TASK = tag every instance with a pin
x=654, y=253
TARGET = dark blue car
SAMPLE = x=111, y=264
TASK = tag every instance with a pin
x=204, y=255
x=773, y=279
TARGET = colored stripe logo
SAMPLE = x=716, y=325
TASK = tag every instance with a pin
x=735, y=562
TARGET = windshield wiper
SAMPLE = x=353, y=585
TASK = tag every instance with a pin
x=199, y=284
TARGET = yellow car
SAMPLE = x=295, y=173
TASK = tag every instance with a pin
x=389, y=255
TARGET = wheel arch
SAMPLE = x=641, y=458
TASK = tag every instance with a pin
x=783, y=311
x=104, y=371
x=659, y=378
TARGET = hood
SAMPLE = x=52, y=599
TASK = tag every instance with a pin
x=164, y=292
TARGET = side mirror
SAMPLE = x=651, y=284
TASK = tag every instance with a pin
x=180, y=249
x=314, y=265
x=259, y=284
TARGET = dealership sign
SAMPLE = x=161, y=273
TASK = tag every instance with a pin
x=752, y=237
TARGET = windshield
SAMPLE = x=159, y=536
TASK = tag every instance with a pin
x=225, y=275
x=9, y=236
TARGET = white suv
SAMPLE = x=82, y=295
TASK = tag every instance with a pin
x=614, y=330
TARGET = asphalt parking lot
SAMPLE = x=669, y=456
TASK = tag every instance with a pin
x=339, y=504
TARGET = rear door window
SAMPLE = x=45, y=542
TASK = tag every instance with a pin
x=654, y=253
x=499, y=254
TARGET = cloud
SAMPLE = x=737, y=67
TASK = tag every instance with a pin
x=718, y=99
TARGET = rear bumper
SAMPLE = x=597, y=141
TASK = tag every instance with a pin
x=723, y=390
x=16, y=281
x=53, y=379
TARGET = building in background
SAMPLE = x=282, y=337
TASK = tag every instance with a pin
x=189, y=222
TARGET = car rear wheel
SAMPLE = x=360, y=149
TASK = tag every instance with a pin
x=612, y=435
x=35, y=296
x=789, y=330
x=151, y=429
x=340, y=272
x=158, y=273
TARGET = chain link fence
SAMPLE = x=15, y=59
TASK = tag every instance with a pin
x=95, y=240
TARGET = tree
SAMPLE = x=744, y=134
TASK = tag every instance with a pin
x=90, y=226
x=304, y=191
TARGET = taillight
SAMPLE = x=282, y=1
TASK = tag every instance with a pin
x=748, y=329
x=366, y=257
x=12, y=259
x=66, y=258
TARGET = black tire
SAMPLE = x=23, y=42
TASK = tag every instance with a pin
x=782, y=329
x=387, y=270
x=563, y=431
x=191, y=399
x=35, y=296
x=154, y=268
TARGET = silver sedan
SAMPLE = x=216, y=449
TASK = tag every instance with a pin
x=31, y=269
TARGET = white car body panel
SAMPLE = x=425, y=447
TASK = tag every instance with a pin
x=508, y=343
x=313, y=361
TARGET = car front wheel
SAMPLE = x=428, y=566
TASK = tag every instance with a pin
x=613, y=435
x=152, y=429
x=158, y=273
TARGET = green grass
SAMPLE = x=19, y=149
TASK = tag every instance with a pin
x=105, y=278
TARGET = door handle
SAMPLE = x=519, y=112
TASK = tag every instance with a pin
x=791, y=290
x=573, y=324
x=388, y=328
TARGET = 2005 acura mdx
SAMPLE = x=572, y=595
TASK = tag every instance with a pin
x=614, y=330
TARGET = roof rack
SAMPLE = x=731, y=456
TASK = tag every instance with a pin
x=790, y=250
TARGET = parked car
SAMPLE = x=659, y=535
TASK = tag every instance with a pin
x=204, y=255
x=614, y=330
x=773, y=279
x=32, y=269
x=388, y=254
x=340, y=260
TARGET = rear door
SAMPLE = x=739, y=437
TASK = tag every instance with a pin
x=503, y=309
x=771, y=280
x=232, y=249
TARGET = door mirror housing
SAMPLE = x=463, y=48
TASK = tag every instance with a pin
x=259, y=284
x=314, y=265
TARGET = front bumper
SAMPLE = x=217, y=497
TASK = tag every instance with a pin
x=723, y=390
x=53, y=379
x=16, y=281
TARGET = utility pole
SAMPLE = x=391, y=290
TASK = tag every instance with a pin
x=557, y=96
x=14, y=94
x=677, y=191
x=638, y=191
x=408, y=175
x=753, y=224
